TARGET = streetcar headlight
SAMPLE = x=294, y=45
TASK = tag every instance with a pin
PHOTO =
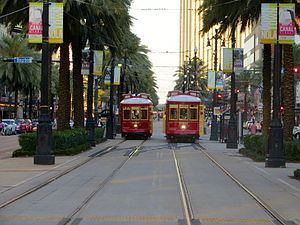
x=135, y=125
x=183, y=126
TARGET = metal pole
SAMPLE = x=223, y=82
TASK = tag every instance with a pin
x=110, y=122
x=214, y=123
x=44, y=154
x=195, y=69
x=232, y=141
x=90, y=123
x=275, y=154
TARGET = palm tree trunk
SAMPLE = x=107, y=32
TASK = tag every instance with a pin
x=30, y=102
x=288, y=93
x=266, y=89
x=64, y=107
x=78, y=100
x=16, y=101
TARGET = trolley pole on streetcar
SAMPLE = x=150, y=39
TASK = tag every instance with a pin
x=44, y=154
x=214, y=122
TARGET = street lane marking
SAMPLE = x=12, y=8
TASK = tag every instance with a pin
x=287, y=184
x=141, y=218
x=262, y=170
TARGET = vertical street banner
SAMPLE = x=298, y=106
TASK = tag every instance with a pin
x=98, y=63
x=219, y=80
x=35, y=29
x=286, y=27
x=268, y=23
x=227, y=60
x=287, y=24
x=238, y=55
x=211, y=80
x=85, y=68
x=117, y=74
x=107, y=72
x=56, y=20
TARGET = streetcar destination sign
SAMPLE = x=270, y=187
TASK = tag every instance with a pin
x=23, y=60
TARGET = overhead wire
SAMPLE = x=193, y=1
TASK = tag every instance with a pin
x=11, y=13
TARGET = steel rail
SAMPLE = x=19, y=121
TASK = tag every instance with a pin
x=187, y=207
x=100, y=186
x=31, y=190
x=275, y=215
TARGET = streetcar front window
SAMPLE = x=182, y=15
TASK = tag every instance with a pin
x=183, y=113
x=193, y=113
x=173, y=114
x=126, y=114
x=135, y=114
x=144, y=113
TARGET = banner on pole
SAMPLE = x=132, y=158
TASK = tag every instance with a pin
x=211, y=80
x=219, y=80
x=117, y=74
x=287, y=24
x=268, y=23
x=227, y=60
x=107, y=72
x=238, y=60
x=286, y=32
x=35, y=29
x=98, y=63
x=85, y=68
x=56, y=21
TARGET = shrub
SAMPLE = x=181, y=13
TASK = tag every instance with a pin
x=68, y=142
x=297, y=173
x=99, y=135
x=256, y=145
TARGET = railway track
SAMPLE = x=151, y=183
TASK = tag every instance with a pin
x=54, y=178
x=277, y=218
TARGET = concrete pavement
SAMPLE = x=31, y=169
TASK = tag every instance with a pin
x=8, y=144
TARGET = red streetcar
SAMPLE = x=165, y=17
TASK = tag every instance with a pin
x=183, y=116
x=136, y=116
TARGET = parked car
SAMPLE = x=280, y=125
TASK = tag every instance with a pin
x=35, y=123
x=296, y=132
x=9, y=127
x=23, y=125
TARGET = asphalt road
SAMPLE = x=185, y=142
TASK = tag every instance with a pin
x=7, y=145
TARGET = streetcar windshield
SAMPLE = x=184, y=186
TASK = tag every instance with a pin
x=193, y=113
x=173, y=114
x=135, y=114
x=144, y=114
x=126, y=114
x=183, y=113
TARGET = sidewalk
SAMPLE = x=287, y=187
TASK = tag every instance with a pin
x=18, y=175
x=275, y=186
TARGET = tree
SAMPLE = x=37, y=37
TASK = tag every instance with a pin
x=229, y=14
x=17, y=76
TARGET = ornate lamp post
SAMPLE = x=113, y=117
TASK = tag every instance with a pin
x=275, y=154
x=214, y=122
x=44, y=154
x=111, y=119
x=232, y=125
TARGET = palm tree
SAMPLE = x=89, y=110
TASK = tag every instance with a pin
x=17, y=76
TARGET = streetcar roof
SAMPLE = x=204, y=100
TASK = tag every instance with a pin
x=136, y=101
x=183, y=98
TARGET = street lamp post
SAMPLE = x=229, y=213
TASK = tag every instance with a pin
x=90, y=123
x=214, y=122
x=111, y=122
x=232, y=125
x=44, y=154
x=195, y=69
x=275, y=154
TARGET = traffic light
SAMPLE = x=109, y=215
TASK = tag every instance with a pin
x=219, y=99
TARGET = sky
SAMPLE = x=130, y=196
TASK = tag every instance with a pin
x=159, y=30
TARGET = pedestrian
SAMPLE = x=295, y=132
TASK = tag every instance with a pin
x=1, y=126
x=253, y=128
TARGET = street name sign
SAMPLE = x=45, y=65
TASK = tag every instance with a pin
x=22, y=59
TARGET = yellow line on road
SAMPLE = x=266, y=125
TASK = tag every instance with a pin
x=235, y=220
x=141, y=218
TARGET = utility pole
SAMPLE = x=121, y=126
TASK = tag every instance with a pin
x=214, y=122
x=44, y=154
x=275, y=154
